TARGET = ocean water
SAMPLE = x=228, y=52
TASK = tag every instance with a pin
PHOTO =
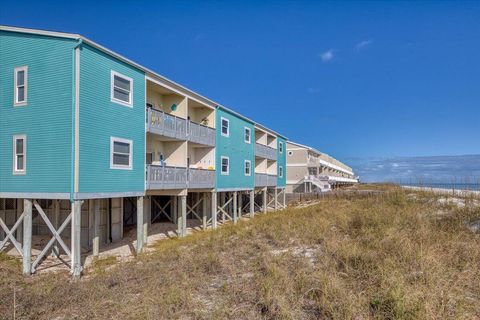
x=440, y=185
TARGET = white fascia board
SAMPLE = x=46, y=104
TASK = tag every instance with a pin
x=341, y=179
x=333, y=166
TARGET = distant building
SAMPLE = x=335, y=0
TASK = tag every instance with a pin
x=309, y=170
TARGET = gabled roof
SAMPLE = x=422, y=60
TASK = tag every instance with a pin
x=148, y=72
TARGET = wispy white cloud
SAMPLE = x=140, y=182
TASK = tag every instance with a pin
x=363, y=44
x=312, y=90
x=327, y=55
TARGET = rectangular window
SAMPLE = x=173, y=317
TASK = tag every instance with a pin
x=248, y=135
x=280, y=172
x=21, y=81
x=248, y=168
x=225, y=127
x=19, y=154
x=121, y=89
x=280, y=147
x=121, y=153
x=225, y=165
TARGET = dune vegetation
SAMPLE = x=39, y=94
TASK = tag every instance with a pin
x=392, y=255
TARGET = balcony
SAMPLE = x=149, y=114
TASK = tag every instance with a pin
x=164, y=124
x=164, y=177
x=265, y=152
x=201, y=134
x=201, y=178
x=265, y=180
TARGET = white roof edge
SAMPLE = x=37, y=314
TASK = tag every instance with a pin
x=306, y=147
x=336, y=167
x=41, y=32
x=147, y=71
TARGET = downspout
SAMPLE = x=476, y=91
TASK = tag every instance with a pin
x=75, y=106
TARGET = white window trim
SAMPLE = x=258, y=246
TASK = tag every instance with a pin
x=17, y=103
x=15, y=138
x=280, y=147
x=130, y=96
x=221, y=127
x=221, y=166
x=280, y=171
x=249, y=135
x=130, y=158
x=245, y=167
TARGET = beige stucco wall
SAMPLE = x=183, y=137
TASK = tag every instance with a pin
x=201, y=157
x=260, y=137
x=174, y=152
x=260, y=165
x=198, y=112
x=164, y=101
x=296, y=174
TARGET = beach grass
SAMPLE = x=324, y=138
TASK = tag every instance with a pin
x=392, y=255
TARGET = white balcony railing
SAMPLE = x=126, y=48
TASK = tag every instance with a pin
x=164, y=124
x=264, y=151
x=265, y=180
x=201, y=134
x=167, y=125
x=164, y=177
x=201, y=178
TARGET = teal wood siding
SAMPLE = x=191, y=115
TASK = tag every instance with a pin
x=281, y=162
x=46, y=120
x=101, y=119
x=237, y=150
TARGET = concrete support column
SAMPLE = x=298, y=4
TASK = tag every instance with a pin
x=275, y=202
x=235, y=208
x=27, y=236
x=75, y=240
x=240, y=204
x=182, y=219
x=264, y=204
x=223, y=199
x=96, y=228
x=140, y=229
x=147, y=218
x=214, y=210
x=204, y=210
x=252, y=203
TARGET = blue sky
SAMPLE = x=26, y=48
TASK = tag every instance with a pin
x=353, y=79
x=414, y=170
